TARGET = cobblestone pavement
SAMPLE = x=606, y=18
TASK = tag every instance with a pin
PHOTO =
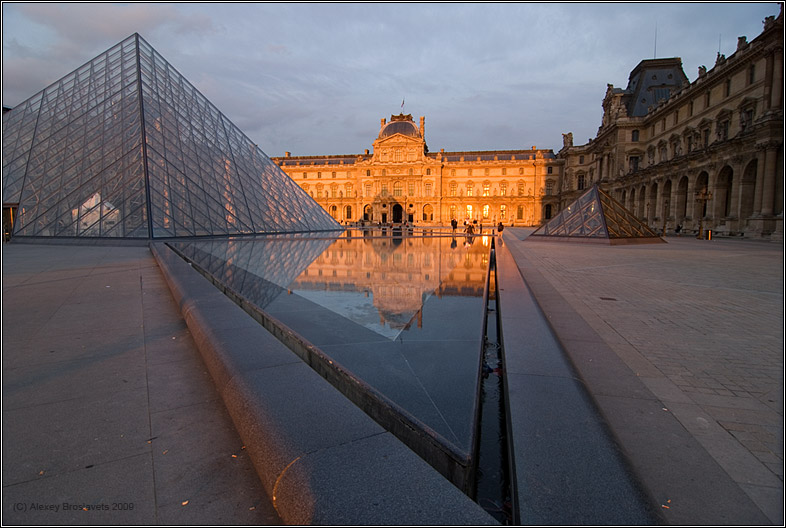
x=702, y=323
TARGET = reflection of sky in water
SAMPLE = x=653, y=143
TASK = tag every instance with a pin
x=356, y=307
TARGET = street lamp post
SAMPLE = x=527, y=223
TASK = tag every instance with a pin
x=702, y=197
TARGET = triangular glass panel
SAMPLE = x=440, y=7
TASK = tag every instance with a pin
x=125, y=146
x=595, y=215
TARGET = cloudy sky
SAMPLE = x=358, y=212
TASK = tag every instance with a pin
x=316, y=78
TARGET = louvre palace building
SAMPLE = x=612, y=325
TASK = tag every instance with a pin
x=695, y=156
x=401, y=181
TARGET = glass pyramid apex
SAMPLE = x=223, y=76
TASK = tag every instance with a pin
x=596, y=217
x=126, y=147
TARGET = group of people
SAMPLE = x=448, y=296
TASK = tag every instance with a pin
x=469, y=227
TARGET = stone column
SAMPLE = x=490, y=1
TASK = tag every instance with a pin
x=757, y=190
x=768, y=181
x=776, y=90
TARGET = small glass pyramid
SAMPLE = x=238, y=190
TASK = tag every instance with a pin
x=596, y=217
x=126, y=147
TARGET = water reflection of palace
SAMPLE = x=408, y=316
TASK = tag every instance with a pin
x=400, y=272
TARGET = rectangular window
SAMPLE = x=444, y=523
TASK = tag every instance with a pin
x=384, y=190
x=752, y=74
x=369, y=193
x=503, y=189
x=581, y=160
x=550, y=170
x=634, y=135
x=427, y=187
x=549, y=187
x=727, y=88
x=305, y=175
x=521, y=189
x=503, y=212
x=411, y=189
x=470, y=190
x=453, y=189
x=486, y=189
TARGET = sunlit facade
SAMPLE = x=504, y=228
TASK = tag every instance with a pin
x=402, y=181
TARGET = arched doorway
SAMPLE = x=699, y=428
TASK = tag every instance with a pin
x=428, y=213
x=747, y=188
x=334, y=212
x=398, y=213
x=702, y=187
x=722, y=194
x=368, y=215
x=666, y=197
x=682, y=199
x=348, y=212
x=547, y=211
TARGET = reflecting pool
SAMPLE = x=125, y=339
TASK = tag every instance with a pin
x=401, y=311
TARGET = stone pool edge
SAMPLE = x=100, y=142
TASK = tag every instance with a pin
x=320, y=458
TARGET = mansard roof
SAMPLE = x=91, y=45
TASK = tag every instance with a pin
x=652, y=81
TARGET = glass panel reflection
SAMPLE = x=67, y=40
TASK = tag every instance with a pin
x=402, y=313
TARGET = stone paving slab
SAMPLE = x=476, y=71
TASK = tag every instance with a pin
x=106, y=403
x=700, y=323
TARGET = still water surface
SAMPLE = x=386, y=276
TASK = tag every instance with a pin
x=402, y=312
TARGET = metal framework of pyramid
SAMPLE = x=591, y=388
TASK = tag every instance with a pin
x=126, y=147
x=596, y=217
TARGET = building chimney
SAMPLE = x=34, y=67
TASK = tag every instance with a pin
x=382, y=123
x=287, y=154
x=422, y=126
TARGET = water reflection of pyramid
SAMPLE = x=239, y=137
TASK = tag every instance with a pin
x=126, y=147
x=596, y=217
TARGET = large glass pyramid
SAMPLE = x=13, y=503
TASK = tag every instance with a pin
x=596, y=217
x=126, y=147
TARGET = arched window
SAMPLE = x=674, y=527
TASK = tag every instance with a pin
x=486, y=211
x=348, y=212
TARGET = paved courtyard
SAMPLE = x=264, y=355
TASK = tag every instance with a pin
x=109, y=414
x=701, y=323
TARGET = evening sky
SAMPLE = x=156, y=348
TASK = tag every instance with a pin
x=316, y=78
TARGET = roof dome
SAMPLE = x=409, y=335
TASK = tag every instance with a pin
x=407, y=128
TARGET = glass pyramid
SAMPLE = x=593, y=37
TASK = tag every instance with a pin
x=126, y=147
x=596, y=216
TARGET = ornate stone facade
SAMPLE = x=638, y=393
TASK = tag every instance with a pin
x=706, y=155
x=401, y=181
